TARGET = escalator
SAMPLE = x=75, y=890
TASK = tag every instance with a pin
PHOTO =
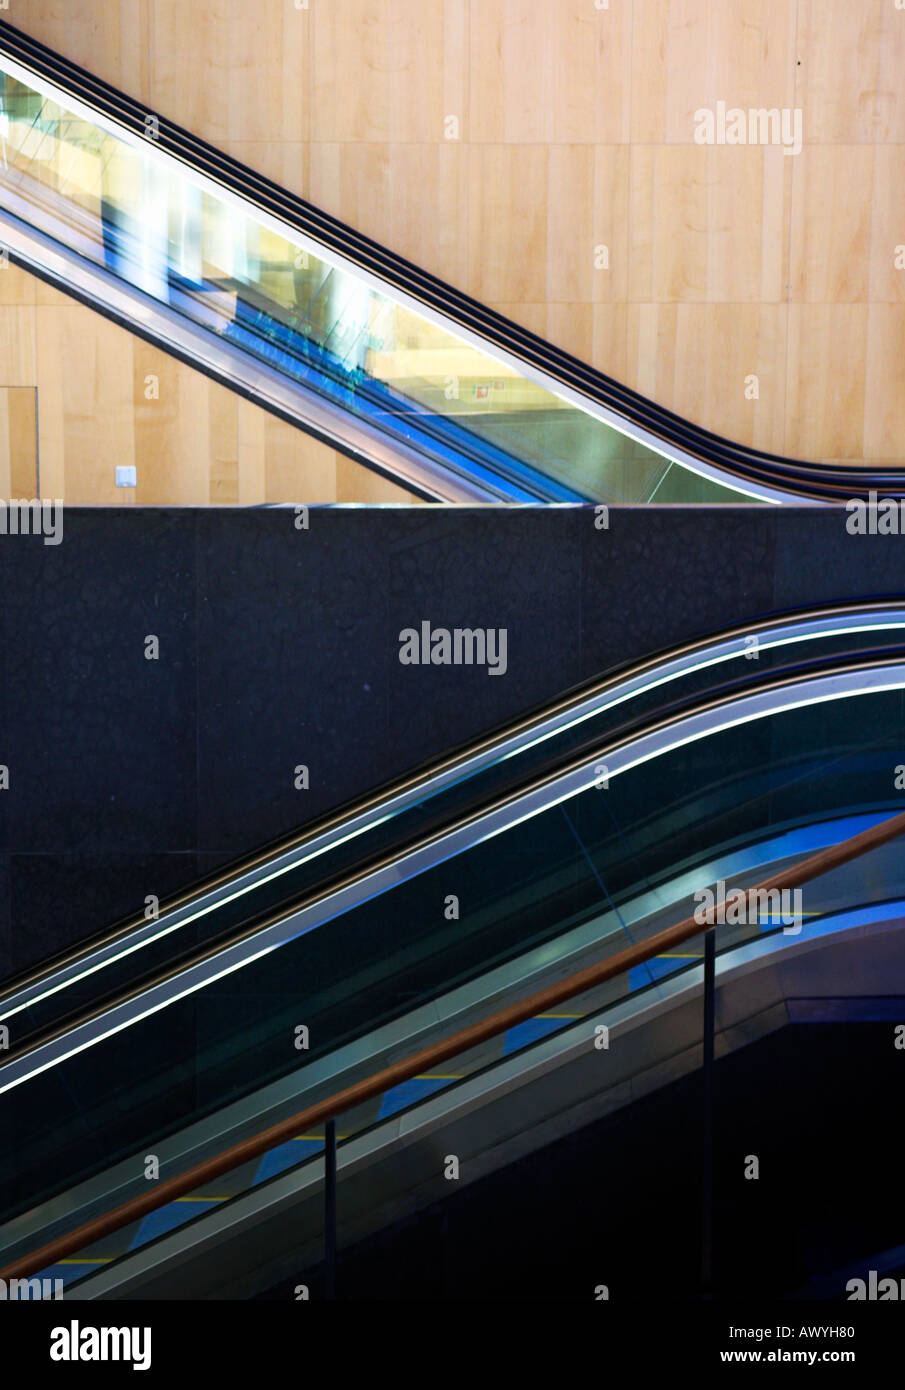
x=397, y=922
x=192, y=251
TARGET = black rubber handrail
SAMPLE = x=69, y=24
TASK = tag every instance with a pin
x=796, y=674
x=429, y=1058
x=596, y=686
x=797, y=477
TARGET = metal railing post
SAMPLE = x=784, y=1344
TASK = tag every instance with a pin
x=543, y=1001
x=330, y=1211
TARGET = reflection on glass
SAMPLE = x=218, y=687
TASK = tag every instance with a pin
x=587, y=874
x=124, y=204
x=575, y=883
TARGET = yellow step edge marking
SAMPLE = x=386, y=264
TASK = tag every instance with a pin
x=306, y=1138
x=101, y=1260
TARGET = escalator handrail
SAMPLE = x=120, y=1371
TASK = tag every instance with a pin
x=420, y=779
x=496, y=1023
x=797, y=477
x=192, y=972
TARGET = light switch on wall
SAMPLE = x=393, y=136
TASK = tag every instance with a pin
x=126, y=475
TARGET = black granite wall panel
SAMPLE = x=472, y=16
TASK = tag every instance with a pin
x=279, y=646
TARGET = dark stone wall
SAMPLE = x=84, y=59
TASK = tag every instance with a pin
x=280, y=646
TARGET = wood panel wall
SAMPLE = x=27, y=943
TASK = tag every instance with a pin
x=502, y=142
x=106, y=398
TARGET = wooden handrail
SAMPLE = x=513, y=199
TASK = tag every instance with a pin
x=429, y=1057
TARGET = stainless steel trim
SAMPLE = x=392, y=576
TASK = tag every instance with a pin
x=665, y=449
x=478, y=829
x=650, y=676
x=650, y=911
x=231, y=365
x=658, y=1040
